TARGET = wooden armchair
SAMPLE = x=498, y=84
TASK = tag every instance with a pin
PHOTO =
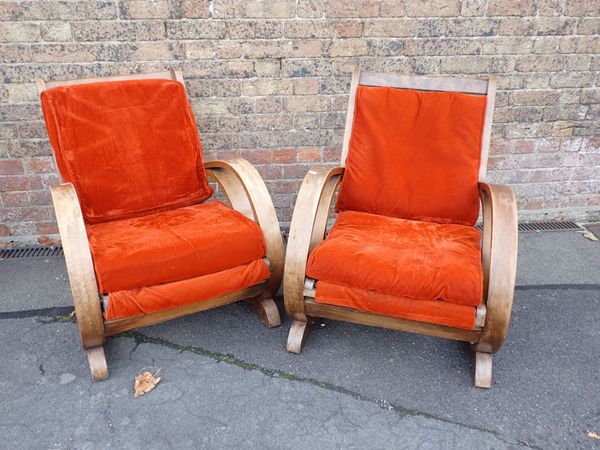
x=141, y=244
x=404, y=252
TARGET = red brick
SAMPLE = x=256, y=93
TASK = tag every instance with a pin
x=47, y=228
x=45, y=240
x=309, y=155
x=39, y=165
x=259, y=156
x=295, y=171
x=11, y=167
x=284, y=155
x=15, y=199
x=20, y=183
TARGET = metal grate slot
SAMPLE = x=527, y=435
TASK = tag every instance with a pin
x=31, y=252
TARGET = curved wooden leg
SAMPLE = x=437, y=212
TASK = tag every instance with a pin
x=97, y=361
x=298, y=333
x=267, y=312
x=483, y=370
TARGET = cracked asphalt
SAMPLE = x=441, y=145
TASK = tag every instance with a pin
x=228, y=382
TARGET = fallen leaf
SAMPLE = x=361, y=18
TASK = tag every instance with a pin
x=589, y=235
x=593, y=435
x=145, y=382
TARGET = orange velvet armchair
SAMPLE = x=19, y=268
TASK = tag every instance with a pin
x=404, y=251
x=142, y=244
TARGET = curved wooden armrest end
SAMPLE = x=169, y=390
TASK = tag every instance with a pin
x=307, y=229
x=79, y=263
x=248, y=194
x=499, y=254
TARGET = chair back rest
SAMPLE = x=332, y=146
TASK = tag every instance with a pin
x=128, y=144
x=416, y=147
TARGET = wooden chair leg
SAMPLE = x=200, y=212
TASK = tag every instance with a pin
x=298, y=333
x=97, y=362
x=267, y=312
x=483, y=370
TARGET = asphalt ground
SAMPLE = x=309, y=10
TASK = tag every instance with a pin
x=228, y=382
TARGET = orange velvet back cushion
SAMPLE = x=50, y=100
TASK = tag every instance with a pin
x=414, y=155
x=128, y=147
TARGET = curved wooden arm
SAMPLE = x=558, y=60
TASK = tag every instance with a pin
x=79, y=265
x=248, y=194
x=306, y=231
x=499, y=254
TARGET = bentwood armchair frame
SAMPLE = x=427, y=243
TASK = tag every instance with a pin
x=499, y=239
x=247, y=194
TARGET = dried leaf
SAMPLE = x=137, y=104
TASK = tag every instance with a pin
x=593, y=435
x=589, y=235
x=145, y=382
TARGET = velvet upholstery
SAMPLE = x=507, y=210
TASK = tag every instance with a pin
x=431, y=311
x=172, y=245
x=129, y=147
x=151, y=299
x=404, y=258
x=414, y=155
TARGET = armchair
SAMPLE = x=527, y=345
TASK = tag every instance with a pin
x=404, y=252
x=141, y=243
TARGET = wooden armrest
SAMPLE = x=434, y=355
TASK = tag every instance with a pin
x=248, y=194
x=499, y=255
x=79, y=264
x=306, y=231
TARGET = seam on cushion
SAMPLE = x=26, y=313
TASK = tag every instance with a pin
x=59, y=138
x=479, y=156
x=66, y=145
x=338, y=206
x=197, y=146
x=187, y=133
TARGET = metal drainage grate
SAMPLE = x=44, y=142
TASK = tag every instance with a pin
x=31, y=252
x=545, y=226
x=548, y=226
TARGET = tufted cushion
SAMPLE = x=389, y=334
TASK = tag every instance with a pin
x=422, y=261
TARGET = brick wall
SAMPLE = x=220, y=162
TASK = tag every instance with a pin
x=269, y=82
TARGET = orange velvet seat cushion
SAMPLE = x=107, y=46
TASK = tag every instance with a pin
x=172, y=245
x=151, y=299
x=414, y=155
x=430, y=311
x=128, y=147
x=403, y=258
